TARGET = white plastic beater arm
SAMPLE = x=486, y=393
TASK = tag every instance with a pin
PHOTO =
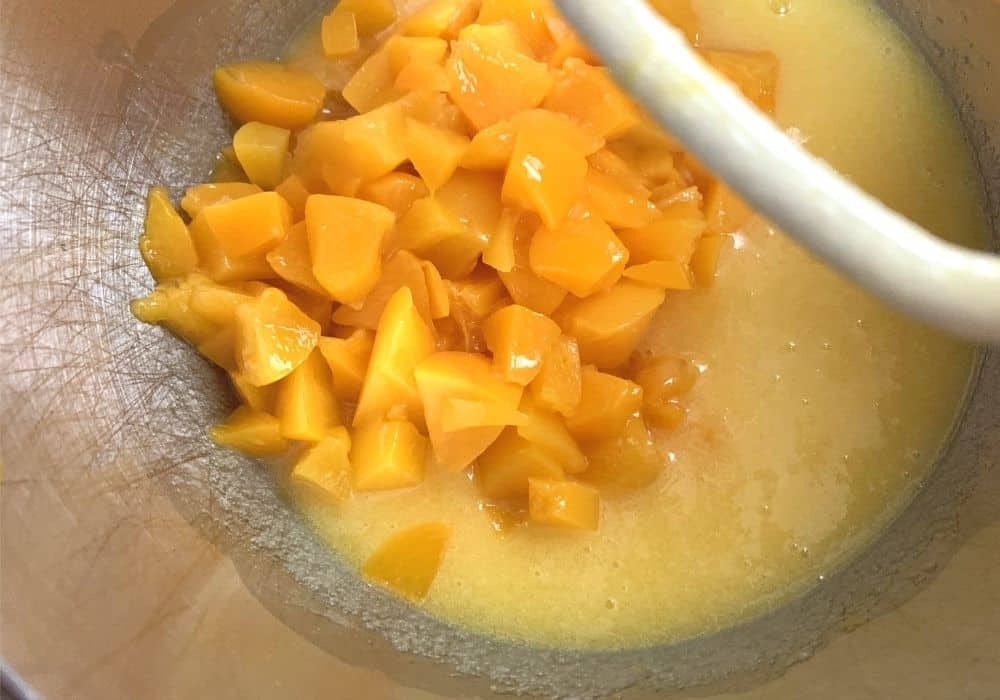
x=954, y=288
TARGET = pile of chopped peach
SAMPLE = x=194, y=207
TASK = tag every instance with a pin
x=457, y=273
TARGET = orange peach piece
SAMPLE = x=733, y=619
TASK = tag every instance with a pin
x=629, y=460
x=262, y=150
x=523, y=285
x=217, y=303
x=169, y=305
x=491, y=148
x=431, y=231
x=681, y=14
x=724, y=210
x=519, y=339
x=440, y=18
x=491, y=80
x=499, y=254
x=259, y=398
x=373, y=85
x=200, y=196
x=664, y=274
x=583, y=256
x=339, y=33
x=293, y=190
x=220, y=266
x=405, y=51
x=589, y=96
x=438, y=296
x=620, y=205
x=475, y=199
x=220, y=349
x=324, y=470
x=609, y=325
x=434, y=108
x=372, y=15
x=446, y=376
x=503, y=470
x=434, y=152
x=705, y=261
x=546, y=173
x=345, y=243
x=558, y=386
x=394, y=191
x=402, y=269
x=166, y=244
x=402, y=341
x=387, y=454
x=563, y=504
x=316, y=306
x=270, y=93
x=755, y=74
x=529, y=16
x=251, y=432
x=462, y=414
x=408, y=562
x=566, y=43
x=673, y=236
x=341, y=156
x=422, y=76
x=291, y=260
x=305, y=403
x=548, y=430
x=606, y=404
x=250, y=224
x=273, y=338
x=478, y=294
x=348, y=360
x=577, y=136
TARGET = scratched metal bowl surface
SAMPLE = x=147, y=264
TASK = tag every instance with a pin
x=139, y=561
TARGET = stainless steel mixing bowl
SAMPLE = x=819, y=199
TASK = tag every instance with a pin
x=139, y=561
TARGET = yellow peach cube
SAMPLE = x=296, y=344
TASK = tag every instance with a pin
x=548, y=430
x=372, y=15
x=583, y=256
x=402, y=341
x=200, y=196
x=166, y=244
x=491, y=148
x=339, y=33
x=433, y=232
x=305, y=402
x=259, y=398
x=529, y=16
x=563, y=504
x=434, y=152
x=348, y=361
x=558, y=385
x=438, y=296
x=519, y=339
x=589, y=96
x=523, y=285
x=673, y=235
x=324, y=469
x=251, y=432
x=664, y=274
x=395, y=191
x=387, y=454
x=249, y=225
x=629, y=460
x=408, y=562
x=705, y=260
x=262, y=150
x=440, y=18
x=402, y=269
x=292, y=261
x=462, y=414
x=273, y=338
x=270, y=93
x=373, y=84
x=619, y=202
x=503, y=470
x=606, y=404
x=345, y=243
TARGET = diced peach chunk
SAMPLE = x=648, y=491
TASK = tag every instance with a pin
x=462, y=414
x=270, y=93
x=629, y=460
x=491, y=80
x=273, y=338
x=583, y=256
x=305, y=403
x=409, y=561
x=606, y=404
x=671, y=237
x=293, y=190
x=345, y=242
x=402, y=269
x=563, y=504
x=200, y=196
x=348, y=361
x=435, y=109
x=396, y=192
x=464, y=376
x=558, y=384
x=250, y=224
x=372, y=15
x=434, y=152
x=262, y=150
x=618, y=202
x=251, y=432
x=503, y=470
x=491, y=148
x=665, y=274
x=546, y=173
x=214, y=261
x=432, y=231
x=705, y=260
x=440, y=18
x=325, y=468
x=527, y=15
x=291, y=260
x=519, y=339
x=548, y=430
x=438, y=295
x=339, y=33
x=610, y=324
x=724, y=210
x=499, y=254
x=402, y=341
x=373, y=85
x=589, y=96
x=387, y=454
x=475, y=199
x=166, y=244
x=523, y=285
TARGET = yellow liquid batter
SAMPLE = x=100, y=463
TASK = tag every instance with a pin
x=818, y=412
